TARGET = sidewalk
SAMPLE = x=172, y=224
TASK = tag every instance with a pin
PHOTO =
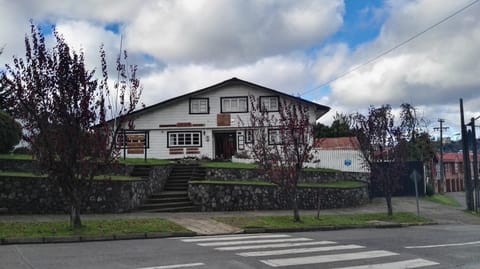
x=203, y=222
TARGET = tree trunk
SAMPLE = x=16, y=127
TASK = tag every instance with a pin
x=75, y=221
x=296, y=214
x=388, y=198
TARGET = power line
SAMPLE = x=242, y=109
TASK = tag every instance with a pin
x=374, y=59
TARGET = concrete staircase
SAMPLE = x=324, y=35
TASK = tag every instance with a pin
x=140, y=171
x=174, y=197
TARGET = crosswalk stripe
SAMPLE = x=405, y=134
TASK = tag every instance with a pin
x=328, y=258
x=235, y=238
x=415, y=263
x=175, y=266
x=281, y=245
x=229, y=243
x=297, y=250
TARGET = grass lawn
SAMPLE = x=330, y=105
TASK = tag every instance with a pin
x=443, y=199
x=97, y=227
x=16, y=156
x=324, y=170
x=339, y=184
x=353, y=220
x=229, y=165
x=100, y=177
x=21, y=174
x=141, y=161
x=254, y=166
x=234, y=182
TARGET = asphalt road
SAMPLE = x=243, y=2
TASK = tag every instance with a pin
x=437, y=246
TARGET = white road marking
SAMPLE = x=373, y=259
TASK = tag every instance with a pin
x=230, y=243
x=416, y=263
x=447, y=245
x=328, y=258
x=235, y=238
x=281, y=245
x=175, y=266
x=297, y=250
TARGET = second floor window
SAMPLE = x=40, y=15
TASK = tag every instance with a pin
x=234, y=104
x=199, y=106
x=269, y=103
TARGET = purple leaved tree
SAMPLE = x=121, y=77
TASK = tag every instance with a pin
x=283, y=143
x=65, y=111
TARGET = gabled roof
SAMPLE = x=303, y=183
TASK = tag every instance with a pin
x=229, y=82
x=337, y=143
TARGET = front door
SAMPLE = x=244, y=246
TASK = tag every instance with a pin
x=225, y=145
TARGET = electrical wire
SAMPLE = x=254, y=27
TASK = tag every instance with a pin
x=374, y=59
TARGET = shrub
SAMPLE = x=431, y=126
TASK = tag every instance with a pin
x=10, y=132
x=429, y=190
x=22, y=150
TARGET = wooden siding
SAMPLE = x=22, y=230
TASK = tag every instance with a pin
x=175, y=117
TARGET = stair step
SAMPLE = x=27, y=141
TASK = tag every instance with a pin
x=166, y=194
x=167, y=200
x=166, y=205
x=185, y=183
x=176, y=188
x=173, y=209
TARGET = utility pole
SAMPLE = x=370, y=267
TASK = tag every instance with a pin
x=442, y=174
x=475, y=164
x=466, y=161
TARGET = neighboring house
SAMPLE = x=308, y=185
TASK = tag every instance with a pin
x=453, y=171
x=212, y=122
x=340, y=153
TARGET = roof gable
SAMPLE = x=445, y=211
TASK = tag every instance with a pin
x=229, y=82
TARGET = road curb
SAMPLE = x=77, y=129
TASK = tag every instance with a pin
x=333, y=228
x=91, y=238
x=95, y=238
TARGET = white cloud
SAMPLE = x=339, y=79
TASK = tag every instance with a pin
x=434, y=70
x=227, y=33
x=286, y=73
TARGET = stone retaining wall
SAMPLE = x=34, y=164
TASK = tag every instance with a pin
x=42, y=195
x=228, y=197
x=230, y=174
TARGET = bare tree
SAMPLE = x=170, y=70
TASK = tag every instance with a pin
x=283, y=143
x=64, y=108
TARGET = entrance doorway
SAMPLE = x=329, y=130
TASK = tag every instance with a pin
x=225, y=145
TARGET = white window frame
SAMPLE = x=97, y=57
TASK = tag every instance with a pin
x=274, y=137
x=184, y=139
x=199, y=106
x=269, y=103
x=237, y=104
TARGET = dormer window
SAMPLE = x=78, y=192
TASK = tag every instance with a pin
x=269, y=103
x=199, y=106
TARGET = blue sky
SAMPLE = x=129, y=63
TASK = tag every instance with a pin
x=291, y=46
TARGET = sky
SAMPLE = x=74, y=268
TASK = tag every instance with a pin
x=301, y=47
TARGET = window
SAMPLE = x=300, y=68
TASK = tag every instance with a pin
x=234, y=104
x=184, y=139
x=274, y=137
x=199, y=106
x=269, y=103
x=249, y=136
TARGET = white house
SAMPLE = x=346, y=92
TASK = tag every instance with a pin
x=210, y=122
